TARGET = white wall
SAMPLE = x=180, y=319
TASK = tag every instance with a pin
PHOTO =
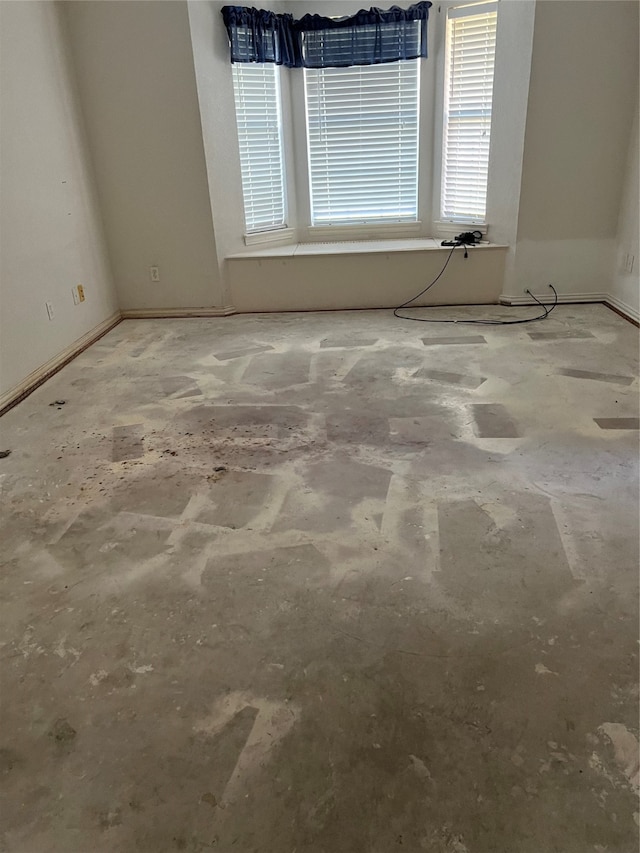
x=137, y=85
x=582, y=96
x=514, y=45
x=154, y=84
x=625, y=290
x=320, y=282
x=169, y=175
x=218, y=119
x=213, y=75
x=50, y=228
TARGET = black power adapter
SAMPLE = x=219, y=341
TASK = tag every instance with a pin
x=467, y=238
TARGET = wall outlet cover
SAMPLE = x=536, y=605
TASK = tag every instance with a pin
x=74, y=294
x=154, y=273
x=49, y=307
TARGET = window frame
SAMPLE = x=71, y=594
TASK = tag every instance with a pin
x=320, y=233
x=440, y=225
x=254, y=235
x=430, y=152
x=446, y=7
x=318, y=81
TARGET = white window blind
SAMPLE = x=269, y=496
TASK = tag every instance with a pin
x=258, y=115
x=362, y=138
x=470, y=56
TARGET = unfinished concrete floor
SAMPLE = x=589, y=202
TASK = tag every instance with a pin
x=325, y=583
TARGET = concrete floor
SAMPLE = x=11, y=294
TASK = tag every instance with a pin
x=325, y=583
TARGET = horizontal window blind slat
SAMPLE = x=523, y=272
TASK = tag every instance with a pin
x=362, y=139
x=362, y=169
x=258, y=119
x=470, y=58
x=368, y=143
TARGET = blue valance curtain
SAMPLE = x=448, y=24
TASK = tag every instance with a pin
x=259, y=36
x=369, y=37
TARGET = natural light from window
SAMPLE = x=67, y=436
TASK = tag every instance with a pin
x=355, y=132
x=362, y=138
x=256, y=90
x=469, y=64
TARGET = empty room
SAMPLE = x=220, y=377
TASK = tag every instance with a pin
x=319, y=426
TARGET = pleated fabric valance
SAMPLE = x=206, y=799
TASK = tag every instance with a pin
x=369, y=37
x=256, y=35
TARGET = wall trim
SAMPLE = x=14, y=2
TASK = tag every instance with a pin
x=563, y=298
x=37, y=377
x=175, y=313
x=620, y=307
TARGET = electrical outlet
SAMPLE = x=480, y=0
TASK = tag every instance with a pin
x=154, y=273
x=49, y=307
x=81, y=296
x=629, y=262
x=74, y=294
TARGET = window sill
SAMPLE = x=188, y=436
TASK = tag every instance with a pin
x=329, y=235
x=362, y=247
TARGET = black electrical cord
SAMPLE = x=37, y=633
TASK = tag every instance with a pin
x=543, y=316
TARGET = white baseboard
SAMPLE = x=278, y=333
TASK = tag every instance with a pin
x=623, y=307
x=548, y=297
x=609, y=299
x=169, y=313
x=41, y=374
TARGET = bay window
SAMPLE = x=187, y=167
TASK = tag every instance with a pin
x=361, y=142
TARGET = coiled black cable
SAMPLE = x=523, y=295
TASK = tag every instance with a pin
x=406, y=304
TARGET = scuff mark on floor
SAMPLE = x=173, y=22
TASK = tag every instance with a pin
x=541, y=669
x=626, y=751
x=272, y=723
